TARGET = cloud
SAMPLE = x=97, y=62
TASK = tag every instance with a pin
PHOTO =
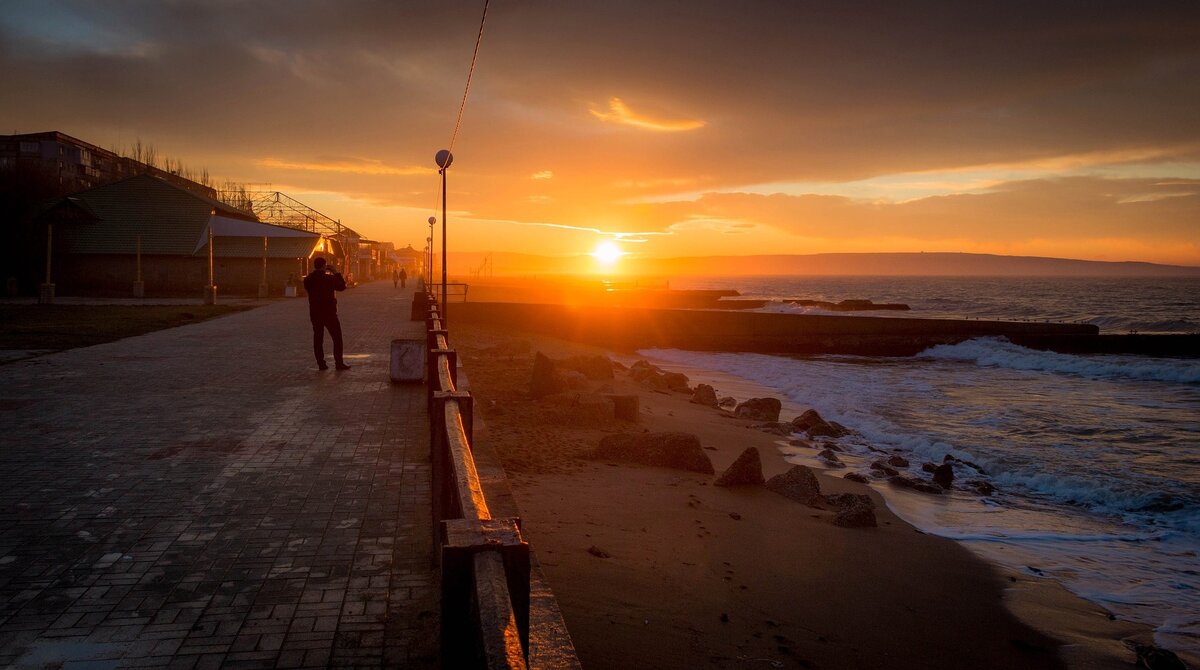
x=347, y=165
x=542, y=174
x=620, y=113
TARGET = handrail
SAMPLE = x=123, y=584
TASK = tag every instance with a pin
x=471, y=501
x=485, y=564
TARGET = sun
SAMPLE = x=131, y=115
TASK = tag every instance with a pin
x=607, y=253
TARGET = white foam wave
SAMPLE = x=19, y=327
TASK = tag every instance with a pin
x=1000, y=353
x=1008, y=536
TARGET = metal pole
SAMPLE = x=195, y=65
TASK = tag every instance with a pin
x=210, y=297
x=49, y=248
x=264, y=274
x=139, y=258
x=443, y=314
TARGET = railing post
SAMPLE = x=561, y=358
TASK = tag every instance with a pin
x=432, y=335
x=465, y=407
x=462, y=540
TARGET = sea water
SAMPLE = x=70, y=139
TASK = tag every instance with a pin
x=1095, y=459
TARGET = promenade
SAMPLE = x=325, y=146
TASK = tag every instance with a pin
x=203, y=497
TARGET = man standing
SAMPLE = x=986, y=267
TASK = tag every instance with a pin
x=403, y=277
x=395, y=278
x=322, y=311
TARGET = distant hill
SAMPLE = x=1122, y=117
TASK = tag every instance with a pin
x=922, y=264
x=899, y=264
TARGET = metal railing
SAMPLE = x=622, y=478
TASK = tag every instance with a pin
x=454, y=290
x=485, y=564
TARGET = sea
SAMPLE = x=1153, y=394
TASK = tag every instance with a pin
x=1095, y=459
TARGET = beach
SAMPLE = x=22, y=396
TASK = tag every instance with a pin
x=659, y=568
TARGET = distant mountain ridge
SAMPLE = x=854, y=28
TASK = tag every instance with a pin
x=922, y=264
x=895, y=264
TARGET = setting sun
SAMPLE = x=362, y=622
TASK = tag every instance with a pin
x=607, y=253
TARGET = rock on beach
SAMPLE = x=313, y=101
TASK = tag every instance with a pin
x=759, y=409
x=800, y=484
x=679, y=451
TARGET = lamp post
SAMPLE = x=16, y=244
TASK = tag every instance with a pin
x=443, y=159
x=429, y=252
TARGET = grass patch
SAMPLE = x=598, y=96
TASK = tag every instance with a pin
x=58, y=327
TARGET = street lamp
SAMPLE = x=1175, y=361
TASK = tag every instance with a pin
x=443, y=159
x=429, y=252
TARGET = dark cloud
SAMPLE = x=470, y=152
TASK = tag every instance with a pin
x=806, y=91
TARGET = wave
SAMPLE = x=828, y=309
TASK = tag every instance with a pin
x=1008, y=536
x=1000, y=353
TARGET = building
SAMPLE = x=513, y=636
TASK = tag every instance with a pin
x=78, y=165
x=143, y=227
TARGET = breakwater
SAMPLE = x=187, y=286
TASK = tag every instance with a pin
x=702, y=330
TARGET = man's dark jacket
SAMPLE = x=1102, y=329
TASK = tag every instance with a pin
x=320, y=285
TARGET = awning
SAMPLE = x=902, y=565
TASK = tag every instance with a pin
x=223, y=226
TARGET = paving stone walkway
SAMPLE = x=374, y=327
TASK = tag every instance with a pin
x=204, y=497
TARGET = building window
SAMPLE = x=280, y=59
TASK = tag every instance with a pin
x=29, y=147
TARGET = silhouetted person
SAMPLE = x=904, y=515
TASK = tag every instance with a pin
x=322, y=311
x=395, y=278
x=403, y=277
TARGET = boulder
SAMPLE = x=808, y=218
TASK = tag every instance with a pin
x=855, y=477
x=704, y=395
x=854, y=510
x=844, y=500
x=897, y=461
x=822, y=430
x=884, y=468
x=914, y=484
x=857, y=516
x=546, y=379
x=680, y=451
x=746, y=470
x=1154, y=658
x=943, y=475
x=929, y=467
x=799, y=484
x=677, y=381
x=831, y=459
x=807, y=420
x=625, y=407
x=727, y=402
x=597, y=368
x=776, y=428
x=759, y=409
x=580, y=409
x=575, y=380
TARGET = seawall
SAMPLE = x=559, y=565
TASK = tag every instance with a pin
x=634, y=328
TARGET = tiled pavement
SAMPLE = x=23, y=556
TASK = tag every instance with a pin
x=203, y=496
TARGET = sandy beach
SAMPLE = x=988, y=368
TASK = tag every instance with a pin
x=659, y=568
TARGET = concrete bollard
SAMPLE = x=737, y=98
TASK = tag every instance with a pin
x=408, y=361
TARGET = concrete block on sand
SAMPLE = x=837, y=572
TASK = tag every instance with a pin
x=799, y=484
x=746, y=470
x=679, y=451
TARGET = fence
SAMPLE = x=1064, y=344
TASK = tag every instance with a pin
x=485, y=564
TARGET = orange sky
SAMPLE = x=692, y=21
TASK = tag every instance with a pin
x=672, y=129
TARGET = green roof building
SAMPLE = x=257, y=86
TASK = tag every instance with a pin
x=106, y=238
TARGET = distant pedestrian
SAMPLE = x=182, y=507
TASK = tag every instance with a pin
x=320, y=285
x=403, y=277
x=395, y=278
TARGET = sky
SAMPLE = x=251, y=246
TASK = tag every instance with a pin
x=1067, y=129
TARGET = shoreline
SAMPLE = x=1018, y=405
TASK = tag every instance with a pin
x=752, y=569
x=1034, y=601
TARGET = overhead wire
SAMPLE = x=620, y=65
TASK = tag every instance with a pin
x=462, y=106
x=470, y=74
